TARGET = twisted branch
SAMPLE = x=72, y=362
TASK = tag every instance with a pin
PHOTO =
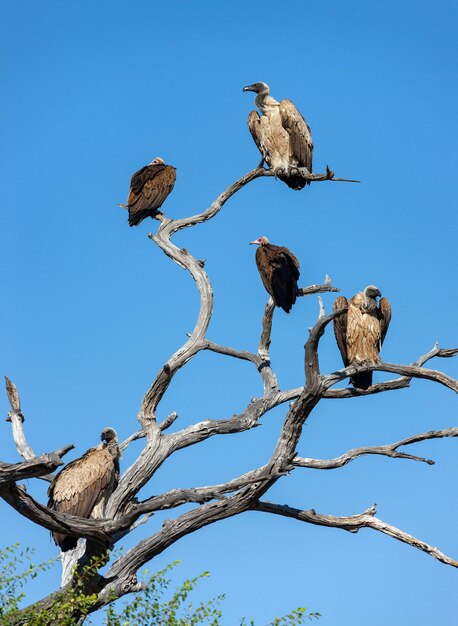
x=353, y=524
x=213, y=502
x=39, y=466
x=390, y=450
x=398, y=383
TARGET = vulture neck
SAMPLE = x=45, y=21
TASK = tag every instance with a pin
x=113, y=448
x=370, y=304
x=265, y=103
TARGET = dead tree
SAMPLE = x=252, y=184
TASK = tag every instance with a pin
x=243, y=493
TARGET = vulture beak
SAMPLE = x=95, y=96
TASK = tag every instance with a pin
x=256, y=242
x=249, y=88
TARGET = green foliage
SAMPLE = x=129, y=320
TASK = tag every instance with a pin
x=11, y=582
x=146, y=608
x=149, y=606
x=295, y=618
x=61, y=611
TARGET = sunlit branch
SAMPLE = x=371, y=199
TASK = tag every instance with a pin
x=353, y=524
x=390, y=450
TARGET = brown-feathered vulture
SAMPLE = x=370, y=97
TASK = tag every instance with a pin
x=83, y=487
x=282, y=136
x=360, y=331
x=149, y=187
x=279, y=271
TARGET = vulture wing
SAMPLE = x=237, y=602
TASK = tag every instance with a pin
x=253, y=125
x=301, y=145
x=384, y=317
x=258, y=127
x=149, y=187
x=78, y=487
x=340, y=327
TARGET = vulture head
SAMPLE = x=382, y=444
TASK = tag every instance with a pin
x=261, y=241
x=108, y=434
x=258, y=88
x=157, y=161
x=372, y=292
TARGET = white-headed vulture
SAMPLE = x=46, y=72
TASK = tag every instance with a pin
x=282, y=135
x=83, y=487
x=361, y=330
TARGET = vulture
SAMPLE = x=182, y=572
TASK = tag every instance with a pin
x=360, y=331
x=83, y=487
x=282, y=135
x=149, y=187
x=279, y=271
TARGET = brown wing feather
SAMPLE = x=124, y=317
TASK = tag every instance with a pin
x=150, y=186
x=384, y=316
x=77, y=488
x=258, y=132
x=265, y=269
x=300, y=135
x=340, y=327
x=253, y=125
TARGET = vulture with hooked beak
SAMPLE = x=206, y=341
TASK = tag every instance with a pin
x=279, y=271
x=282, y=135
x=149, y=187
x=83, y=487
x=360, y=331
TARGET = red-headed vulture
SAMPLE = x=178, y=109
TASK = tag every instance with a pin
x=279, y=271
x=149, y=187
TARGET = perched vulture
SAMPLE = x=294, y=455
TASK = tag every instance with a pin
x=279, y=271
x=360, y=331
x=282, y=135
x=149, y=187
x=83, y=487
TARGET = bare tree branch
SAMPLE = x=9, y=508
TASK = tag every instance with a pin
x=408, y=371
x=312, y=368
x=24, y=504
x=399, y=383
x=36, y=467
x=387, y=450
x=16, y=418
x=324, y=288
x=354, y=523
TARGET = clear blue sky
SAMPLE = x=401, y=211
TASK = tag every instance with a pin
x=91, y=91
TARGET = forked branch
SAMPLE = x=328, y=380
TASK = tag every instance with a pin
x=216, y=502
x=390, y=450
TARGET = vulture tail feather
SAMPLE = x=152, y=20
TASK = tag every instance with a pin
x=65, y=543
x=362, y=381
x=139, y=216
